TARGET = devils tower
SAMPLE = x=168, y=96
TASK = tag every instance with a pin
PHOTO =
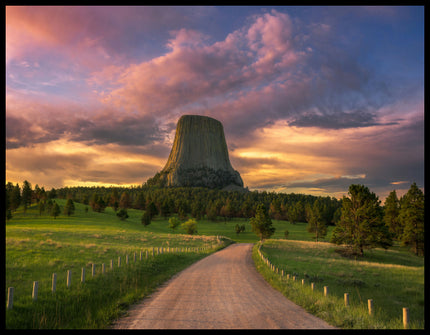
x=199, y=156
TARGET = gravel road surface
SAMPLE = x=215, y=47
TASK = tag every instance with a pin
x=221, y=291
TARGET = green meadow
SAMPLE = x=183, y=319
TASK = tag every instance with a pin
x=393, y=279
x=38, y=246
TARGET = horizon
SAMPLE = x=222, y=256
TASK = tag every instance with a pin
x=312, y=98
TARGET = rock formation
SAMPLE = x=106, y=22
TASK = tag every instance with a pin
x=199, y=156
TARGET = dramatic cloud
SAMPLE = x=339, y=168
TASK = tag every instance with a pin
x=311, y=99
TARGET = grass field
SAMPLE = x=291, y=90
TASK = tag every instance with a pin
x=37, y=246
x=392, y=279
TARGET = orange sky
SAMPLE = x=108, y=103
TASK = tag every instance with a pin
x=311, y=99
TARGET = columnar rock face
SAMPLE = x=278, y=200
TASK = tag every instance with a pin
x=199, y=156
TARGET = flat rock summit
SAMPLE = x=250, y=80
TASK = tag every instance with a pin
x=199, y=157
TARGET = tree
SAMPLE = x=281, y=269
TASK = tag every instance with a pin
x=146, y=218
x=391, y=215
x=361, y=224
x=174, y=222
x=122, y=214
x=412, y=217
x=42, y=206
x=124, y=201
x=69, y=209
x=152, y=209
x=27, y=193
x=316, y=222
x=55, y=211
x=114, y=200
x=190, y=226
x=239, y=228
x=261, y=223
x=15, y=198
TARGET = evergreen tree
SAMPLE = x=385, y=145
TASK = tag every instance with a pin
x=391, y=215
x=146, y=218
x=69, y=209
x=26, y=194
x=316, y=222
x=55, y=210
x=261, y=223
x=125, y=201
x=412, y=218
x=122, y=214
x=15, y=199
x=361, y=224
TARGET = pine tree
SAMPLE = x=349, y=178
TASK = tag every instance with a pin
x=316, y=222
x=69, y=209
x=412, y=218
x=361, y=224
x=391, y=215
x=26, y=194
x=55, y=210
x=261, y=223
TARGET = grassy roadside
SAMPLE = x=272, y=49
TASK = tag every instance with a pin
x=38, y=246
x=391, y=279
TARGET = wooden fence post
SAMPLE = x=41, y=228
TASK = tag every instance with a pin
x=10, y=298
x=69, y=278
x=346, y=298
x=405, y=318
x=103, y=269
x=126, y=259
x=83, y=275
x=35, y=288
x=370, y=306
x=325, y=291
x=313, y=286
x=111, y=264
x=54, y=282
x=119, y=261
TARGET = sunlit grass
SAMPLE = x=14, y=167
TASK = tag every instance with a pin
x=395, y=281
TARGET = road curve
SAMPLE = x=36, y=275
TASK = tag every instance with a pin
x=221, y=291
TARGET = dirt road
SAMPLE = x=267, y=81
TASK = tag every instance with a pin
x=221, y=291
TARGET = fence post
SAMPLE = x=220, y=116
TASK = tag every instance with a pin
x=405, y=318
x=54, y=282
x=370, y=306
x=303, y=282
x=126, y=259
x=69, y=278
x=35, y=287
x=140, y=256
x=103, y=269
x=119, y=261
x=313, y=286
x=83, y=275
x=325, y=291
x=10, y=298
x=346, y=298
x=111, y=264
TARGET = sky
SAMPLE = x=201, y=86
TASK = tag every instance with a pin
x=312, y=99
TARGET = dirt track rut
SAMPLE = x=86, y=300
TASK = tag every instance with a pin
x=221, y=291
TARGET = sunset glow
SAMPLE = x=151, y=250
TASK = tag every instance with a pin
x=312, y=99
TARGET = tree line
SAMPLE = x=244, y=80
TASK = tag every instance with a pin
x=359, y=219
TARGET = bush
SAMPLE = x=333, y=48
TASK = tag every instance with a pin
x=190, y=226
